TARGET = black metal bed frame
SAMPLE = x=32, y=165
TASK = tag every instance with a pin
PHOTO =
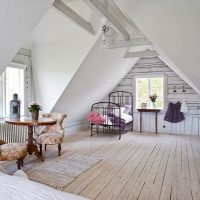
x=116, y=99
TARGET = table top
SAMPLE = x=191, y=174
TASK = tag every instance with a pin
x=148, y=110
x=27, y=121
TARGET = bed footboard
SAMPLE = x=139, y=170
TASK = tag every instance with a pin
x=111, y=113
x=106, y=109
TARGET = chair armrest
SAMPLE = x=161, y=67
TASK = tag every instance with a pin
x=38, y=130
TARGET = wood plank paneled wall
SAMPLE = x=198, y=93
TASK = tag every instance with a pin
x=152, y=67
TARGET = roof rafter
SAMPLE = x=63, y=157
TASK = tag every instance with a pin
x=124, y=18
x=62, y=7
x=105, y=12
x=142, y=54
x=141, y=41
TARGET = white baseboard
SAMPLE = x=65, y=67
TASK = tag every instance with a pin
x=74, y=127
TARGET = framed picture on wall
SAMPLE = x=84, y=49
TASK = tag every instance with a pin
x=143, y=105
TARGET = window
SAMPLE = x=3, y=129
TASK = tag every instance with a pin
x=12, y=81
x=148, y=86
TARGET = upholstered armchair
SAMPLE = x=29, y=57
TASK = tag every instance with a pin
x=2, y=142
x=13, y=151
x=53, y=134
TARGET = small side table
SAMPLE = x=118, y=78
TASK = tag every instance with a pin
x=156, y=111
x=25, y=121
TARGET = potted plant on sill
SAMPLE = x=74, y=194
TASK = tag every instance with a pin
x=34, y=109
x=153, y=98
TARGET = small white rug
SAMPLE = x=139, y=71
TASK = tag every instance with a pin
x=62, y=171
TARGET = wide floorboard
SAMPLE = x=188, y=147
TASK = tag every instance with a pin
x=139, y=166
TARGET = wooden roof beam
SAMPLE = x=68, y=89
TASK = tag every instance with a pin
x=142, y=54
x=124, y=18
x=105, y=12
x=62, y=7
x=141, y=41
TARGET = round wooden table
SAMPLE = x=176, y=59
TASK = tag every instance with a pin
x=26, y=121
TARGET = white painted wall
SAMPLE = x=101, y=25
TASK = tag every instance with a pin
x=59, y=48
x=173, y=27
x=18, y=18
x=100, y=72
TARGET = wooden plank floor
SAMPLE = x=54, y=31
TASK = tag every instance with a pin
x=139, y=166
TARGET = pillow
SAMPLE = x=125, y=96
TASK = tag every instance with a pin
x=127, y=108
x=123, y=108
x=18, y=173
x=95, y=118
x=21, y=174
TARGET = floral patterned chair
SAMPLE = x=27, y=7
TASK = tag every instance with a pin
x=13, y=151
x=53, y=134
x=2, y=142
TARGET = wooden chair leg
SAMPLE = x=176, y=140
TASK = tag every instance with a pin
x=59, y=149
x=41, y=149
x=18, y=164
x=22, y=162
x=45, y=147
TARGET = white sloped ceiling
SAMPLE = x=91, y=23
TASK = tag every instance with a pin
x=71, y=70
x=59, y=46
x=18, y=18
x=173, y=27
x=99, y=74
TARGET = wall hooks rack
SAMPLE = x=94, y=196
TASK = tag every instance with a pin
x=183, y=89
x=174, y=89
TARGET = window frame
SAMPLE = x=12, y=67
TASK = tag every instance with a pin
x=152, y=76
x=18, y=66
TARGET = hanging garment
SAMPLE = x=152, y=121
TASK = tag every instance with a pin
x=184, y=108
x=173, y=114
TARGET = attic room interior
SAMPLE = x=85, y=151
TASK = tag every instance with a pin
x=99, y=99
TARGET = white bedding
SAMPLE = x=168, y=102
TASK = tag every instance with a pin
x=107, y=120
x=17, y=188
x=126, y=117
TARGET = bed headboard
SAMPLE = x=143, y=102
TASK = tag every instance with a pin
x=121, y=98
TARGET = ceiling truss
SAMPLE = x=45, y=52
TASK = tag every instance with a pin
x=66, y=10
x=131, y=34
x=142, y=54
